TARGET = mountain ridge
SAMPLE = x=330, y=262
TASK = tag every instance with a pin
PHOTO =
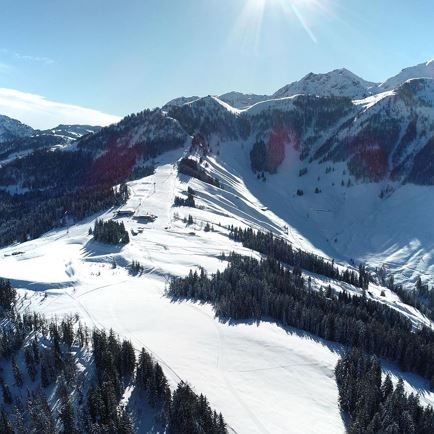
x=11, y=129
x=338, y=82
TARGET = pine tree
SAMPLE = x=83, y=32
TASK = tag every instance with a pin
x=67, y=417
x=45, y=379
x=17, y=373
x=30, y=363
x=128, y=358
x=125, y=425
x=19, y=424
x=7, y=396
x=5, y=425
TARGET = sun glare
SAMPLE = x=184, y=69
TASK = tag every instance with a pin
x=299, y=10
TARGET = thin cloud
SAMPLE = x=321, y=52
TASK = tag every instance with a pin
x=4, y=67
x=41, y=113
x=26, y=57
x=35, y=59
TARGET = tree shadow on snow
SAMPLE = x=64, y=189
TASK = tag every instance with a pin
x=31, y=285
x=94, y=249
x=331, y=346
x=145, y=417
x=419, y=384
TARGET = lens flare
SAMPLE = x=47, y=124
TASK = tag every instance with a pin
x=291, y=6
x=250, y=22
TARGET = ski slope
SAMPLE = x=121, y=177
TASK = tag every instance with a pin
x=346, y=222
x=263, y=378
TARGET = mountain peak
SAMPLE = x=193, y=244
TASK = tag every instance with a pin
x=241, y=100
x=339, y=82
x=177, y=102
x=11, y=129
x=422, y=70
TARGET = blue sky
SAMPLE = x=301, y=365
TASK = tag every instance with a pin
x=120, y=56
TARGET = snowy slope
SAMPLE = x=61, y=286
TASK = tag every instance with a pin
x=177, y=102
x=236, y=100
x=239, y=368
x=346, y=222
x=11, y=129
x=72, y=131
x=263, y=378
x=242, y=100
x=423, y=70
x=339, y=82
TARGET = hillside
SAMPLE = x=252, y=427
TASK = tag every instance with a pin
x=240, y=365
x=133, y=227
x=376, y=148
x=18, y=140
x=62, y=377
x=11, y=129
x=423, y=70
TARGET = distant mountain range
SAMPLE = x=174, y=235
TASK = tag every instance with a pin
x=339, y=82
x=16, y=137
x=381, y=130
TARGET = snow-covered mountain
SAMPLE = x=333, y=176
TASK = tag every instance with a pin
x=333, y=165
x=72, y=131
x=423, y=70
x=236, y=100
x=386, y=135
x=242, y=100
x=379, y=137
x=262, y=377
x=19, y=139
x=11, y=129
x=144, y=133
x=339, y=82
x=177, y=102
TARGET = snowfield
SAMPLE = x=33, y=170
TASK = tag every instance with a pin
x=263, y=378
x=344, y=222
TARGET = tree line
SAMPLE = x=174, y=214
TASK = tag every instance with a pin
x=190, y=167
x=8, y=295
x=251, y=289
x=421, y=296
x=374, y=405
x=274, y=247
x=54, y=188
x=110, y=232
x=46, y=392
x=180, y=201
